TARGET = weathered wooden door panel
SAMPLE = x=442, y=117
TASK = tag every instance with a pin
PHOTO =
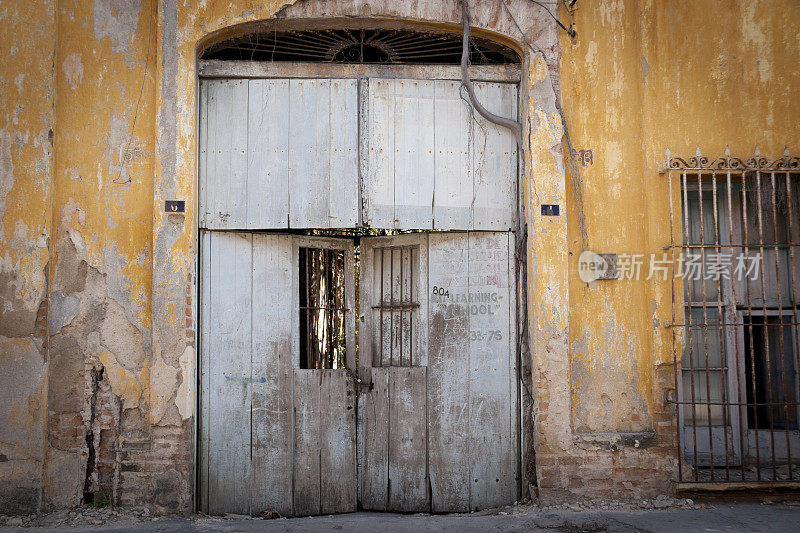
x=271, y=370
x=449, y=374
x=408, y=442
x=394, y=447
x=413, y=155
x=494, y=161
x=472, y=375
x=431, y=163
x=227, y=375
x=493, y=445
x=453, y=158
x=324, y=447
x=373, y=439
x=272, y=436
x=463, y=453
x=278, y=153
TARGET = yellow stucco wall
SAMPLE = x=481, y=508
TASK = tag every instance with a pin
x=27, y=30
x=97, y=129
x=643, y=76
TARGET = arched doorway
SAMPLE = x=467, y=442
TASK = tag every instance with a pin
x=358, y=328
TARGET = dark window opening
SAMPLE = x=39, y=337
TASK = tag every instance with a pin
x=322, y=308
x=770, y=370
x=361, y=46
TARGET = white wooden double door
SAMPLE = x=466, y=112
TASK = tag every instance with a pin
x=431, y=423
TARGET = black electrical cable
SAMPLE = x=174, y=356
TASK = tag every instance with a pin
x=570, y=31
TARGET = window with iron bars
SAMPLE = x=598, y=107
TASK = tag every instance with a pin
x=322, y=308
x=738, y=278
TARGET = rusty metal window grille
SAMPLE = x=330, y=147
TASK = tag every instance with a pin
x=322, y=308
x=395, y=311
x=361, y=46
x=734, y=239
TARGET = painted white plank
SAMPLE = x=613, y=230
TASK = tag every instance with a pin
x=368, y=295
x=267, y=194
x=202, y=157
x=229, y=379
x=375, y=423
x=514, y=382
x=494, y=160
x=337, y=428
x=306, y=472
x=413, y=153
x=231, y=176
x=448, y=372
x=208, y=198
x=421, y=292
x=379, y=183
x=453, y=194
x=408, y=480
x=226, y=176
x=344, y=182
x=309, y=156
x=492, y=446
x=271, y=387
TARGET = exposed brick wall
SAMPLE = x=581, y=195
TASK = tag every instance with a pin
x=573, y=466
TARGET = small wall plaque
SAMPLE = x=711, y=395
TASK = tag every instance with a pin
x=174, y=206
x=550, y=210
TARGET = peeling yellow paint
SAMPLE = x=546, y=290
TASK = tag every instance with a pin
x=710, y=81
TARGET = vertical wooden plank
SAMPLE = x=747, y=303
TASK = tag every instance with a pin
x=492, y=445
x=408, y=480
x=343, y=139
x=514, y=383
x=413, y=154
x=208, y=200
x=271, y=386
x=366, y=340
x=375, y=422
x=421, y=295
x=202, y=156
x=309, y=155
x=207, y=339
x=231, y=176
x=453, y=147
x=306, y=442
x=337, y=443
x=448, y=372
x=495, y=160
x=364, y=143
x=268, y=154
x=368, y=295
x=229, y=379
x=379, y=182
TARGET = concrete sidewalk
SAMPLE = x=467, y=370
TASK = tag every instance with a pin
x=775, y=518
